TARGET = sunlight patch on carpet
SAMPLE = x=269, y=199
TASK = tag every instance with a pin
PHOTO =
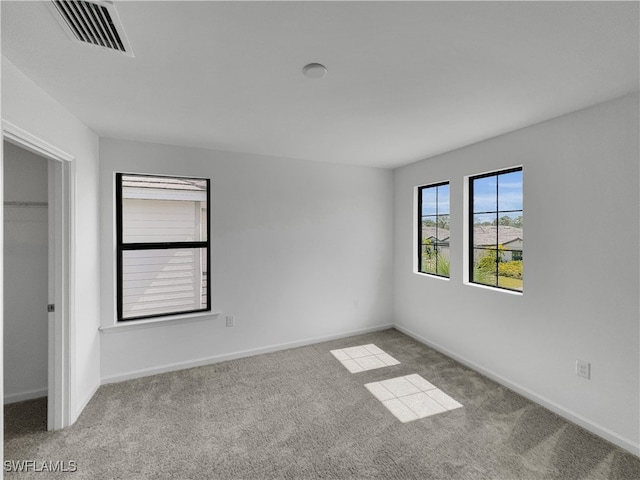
x=411, y=397
x=364, y=357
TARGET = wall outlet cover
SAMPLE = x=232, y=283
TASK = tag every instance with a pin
x=583, y=369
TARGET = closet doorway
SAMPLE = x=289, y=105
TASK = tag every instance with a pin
x=37, y=280
x=26, y=285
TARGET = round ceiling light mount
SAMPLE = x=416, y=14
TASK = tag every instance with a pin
x=314, y=70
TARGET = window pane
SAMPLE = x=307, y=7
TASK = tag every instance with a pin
x=429, y=234
x=443, y=226
x=485, y=236
x=428, y=201
x=442, y=267
x=484, y=266
x=162, y=221
x=513, y=219
x=163, y=209
x=484, y=219
x=510, y=281
x=510, y=238
x=435, y=259
x=510, y=191
x=162, y=281
x=428, y=260
x=443, y=199
x=484, y=194
x=511, y=252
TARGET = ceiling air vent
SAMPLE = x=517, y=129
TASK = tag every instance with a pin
x=92, y=22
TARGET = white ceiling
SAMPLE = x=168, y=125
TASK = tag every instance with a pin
x=406, y=80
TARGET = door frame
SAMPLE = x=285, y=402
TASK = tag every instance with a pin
x=61, y=174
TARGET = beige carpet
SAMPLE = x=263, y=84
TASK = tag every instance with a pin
x=300, y=414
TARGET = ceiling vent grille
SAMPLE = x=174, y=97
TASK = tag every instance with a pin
x=94, y=23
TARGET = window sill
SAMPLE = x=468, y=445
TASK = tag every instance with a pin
x=429, y=275
x=495, y=289
x=159, y=322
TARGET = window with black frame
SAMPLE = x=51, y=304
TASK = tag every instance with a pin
x=497, y=229
x=162, y=246
x=433, y=229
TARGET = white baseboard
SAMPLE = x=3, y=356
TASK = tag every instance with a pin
x=234, y=355
x=22, y=396
x=573, y=417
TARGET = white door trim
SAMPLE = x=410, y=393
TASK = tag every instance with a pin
x=61, y=277
x=24, y=139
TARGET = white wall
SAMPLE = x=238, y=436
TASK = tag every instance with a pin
x=581, y=282
x=25, y=274
x=294, y=244
x=27, y=106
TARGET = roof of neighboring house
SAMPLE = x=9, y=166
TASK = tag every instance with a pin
x=430, y=232
x=486, y=234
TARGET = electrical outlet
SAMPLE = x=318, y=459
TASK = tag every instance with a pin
x=583, y=369
x=356, y=304
x=231, y=320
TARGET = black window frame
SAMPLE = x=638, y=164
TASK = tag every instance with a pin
x=420, y=219
x=121, y=247
x=472, y=214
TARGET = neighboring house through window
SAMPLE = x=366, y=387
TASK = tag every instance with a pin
x=162, y=245
x=433, y=229
x=497, y=229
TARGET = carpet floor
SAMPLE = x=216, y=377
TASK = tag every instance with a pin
x=300, y=414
